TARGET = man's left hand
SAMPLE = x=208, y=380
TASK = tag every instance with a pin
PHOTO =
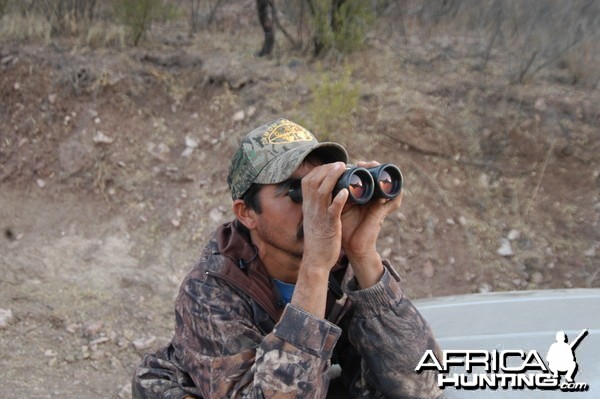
x=361, y=225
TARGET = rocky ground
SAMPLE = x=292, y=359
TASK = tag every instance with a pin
x=113, y=166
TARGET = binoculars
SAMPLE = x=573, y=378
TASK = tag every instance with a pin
x=364, y=184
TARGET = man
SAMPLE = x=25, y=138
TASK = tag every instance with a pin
x=289, y=295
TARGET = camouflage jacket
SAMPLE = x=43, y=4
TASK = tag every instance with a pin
x=235, y=338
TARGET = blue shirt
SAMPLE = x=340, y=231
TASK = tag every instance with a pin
x=286, y=290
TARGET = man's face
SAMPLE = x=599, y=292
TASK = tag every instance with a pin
x=279, y=225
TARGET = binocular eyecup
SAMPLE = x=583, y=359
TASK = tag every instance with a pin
x=364, y=184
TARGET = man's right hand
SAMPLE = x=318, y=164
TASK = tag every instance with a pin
x=322, y=215
x=322, y=236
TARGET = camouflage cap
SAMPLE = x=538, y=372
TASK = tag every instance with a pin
x=272, y=152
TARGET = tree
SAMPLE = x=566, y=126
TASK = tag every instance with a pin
x=339, y=24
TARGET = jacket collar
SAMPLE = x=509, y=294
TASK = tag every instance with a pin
x=244, y=269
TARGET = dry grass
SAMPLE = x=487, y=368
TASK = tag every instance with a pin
x=104, y=34
x=30, y=27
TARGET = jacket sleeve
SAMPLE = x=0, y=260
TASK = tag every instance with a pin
x=390, y=336
x=226, y=356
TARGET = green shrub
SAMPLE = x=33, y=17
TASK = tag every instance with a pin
x=3, y=6
x=335, y=99
x=138, y=15
x=343, y=28
x=354, y=19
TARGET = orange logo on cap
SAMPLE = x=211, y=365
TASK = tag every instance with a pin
x=286, y=132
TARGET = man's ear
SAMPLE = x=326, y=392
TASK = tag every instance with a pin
x=245, y=215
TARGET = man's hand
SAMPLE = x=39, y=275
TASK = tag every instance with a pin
x=361, y=225
x=322, y=215
x=322, y=227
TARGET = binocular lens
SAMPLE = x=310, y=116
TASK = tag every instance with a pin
x=385, y=182
x=359, y=183
x=356, y=186
x=388, y=180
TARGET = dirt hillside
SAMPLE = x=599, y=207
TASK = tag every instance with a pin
x=113, y=167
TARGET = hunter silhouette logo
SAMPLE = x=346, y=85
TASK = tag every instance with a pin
x=561, y=355
x=508, y=369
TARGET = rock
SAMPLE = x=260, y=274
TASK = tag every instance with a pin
x=385, y=253
x=215, y=215
x=428, y=269
x=400, y=260
x=50, y=353
x=590, y=253
x=100, y=340
x=484, y=180
x=75, y=154
x=191, y=142
x=94, y=328
x=101, y=138
x=484, y=288
x=125, y=391
x=9, y=59
x=505, y=249
x=536, y=278
x=97, y=355
x=176, y=221
x=143, y=343
x=430, y=223
x=239, y=116
x=82, y=356
x=70, y=358
x=41, y=183
x=401, y=217
x=5, y=317
x=568, y=283
x=115, y=363
x=160, y=151
x=388, y=241
x=112, y=335
x=52, y=98
x=513, y=234
x=540, y=105
x=519, y=282
x=187, y=152
x=73, y=328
